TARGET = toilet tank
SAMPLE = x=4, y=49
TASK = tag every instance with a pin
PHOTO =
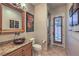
x=33, y=40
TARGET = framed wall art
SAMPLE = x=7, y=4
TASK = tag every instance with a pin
x=16, y=24
x=29, y=22
x=74, y=14
x=11, y=23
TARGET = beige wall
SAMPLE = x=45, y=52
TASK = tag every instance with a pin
x=30, y=8
x=41, y=22
x=60, y=11
x=28, y=35
x=72, y=42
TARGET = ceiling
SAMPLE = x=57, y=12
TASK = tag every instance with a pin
x=55, y=5
x=34, y=4
x=51, y=5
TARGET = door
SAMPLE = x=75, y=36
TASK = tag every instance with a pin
x=57, y=29
x=27, y=50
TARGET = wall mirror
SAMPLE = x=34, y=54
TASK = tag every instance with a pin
x=12, y=18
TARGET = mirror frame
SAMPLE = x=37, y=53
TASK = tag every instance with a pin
x=10, y=5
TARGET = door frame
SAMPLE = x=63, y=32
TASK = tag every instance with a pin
x=54, y=30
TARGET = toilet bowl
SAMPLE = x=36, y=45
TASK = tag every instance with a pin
x=36, y=47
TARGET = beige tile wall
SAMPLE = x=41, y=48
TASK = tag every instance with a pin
x=41, y=23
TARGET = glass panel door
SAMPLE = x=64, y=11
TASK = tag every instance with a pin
x=58, y=29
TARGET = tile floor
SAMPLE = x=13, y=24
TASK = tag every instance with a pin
x=54, y=51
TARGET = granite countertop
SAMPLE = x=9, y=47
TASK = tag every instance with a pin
x=7, y=48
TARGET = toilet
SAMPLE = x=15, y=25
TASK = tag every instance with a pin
x=37, y=48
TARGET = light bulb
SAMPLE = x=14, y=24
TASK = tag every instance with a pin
x=23, y=4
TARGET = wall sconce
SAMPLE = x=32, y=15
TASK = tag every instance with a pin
x=23, y=5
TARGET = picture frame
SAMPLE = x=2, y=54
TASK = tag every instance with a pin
x=11, y=23
x=76, y=18
x=71, y=15
x=16, y=24
x=29, y=22
x=74, y=14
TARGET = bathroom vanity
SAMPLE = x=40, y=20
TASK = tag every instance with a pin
x=12, y=49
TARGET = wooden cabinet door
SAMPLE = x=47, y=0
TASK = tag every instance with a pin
x=17, y=52
x=27, y=50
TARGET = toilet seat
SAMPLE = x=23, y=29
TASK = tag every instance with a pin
x=37, y=47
